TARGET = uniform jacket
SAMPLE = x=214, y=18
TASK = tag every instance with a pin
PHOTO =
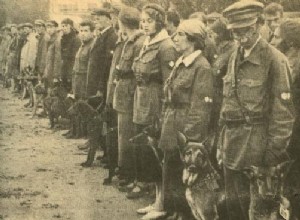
x=80, y=69
x=53, y=58
x=100, y=61
x=70, y=44
x=13, y=57
x=125, y=79
x=151, y=68
x=256, y=90
x=219, y=69
x=41, y=53
x=29, y=52
x=111, y=84
x=189, y=97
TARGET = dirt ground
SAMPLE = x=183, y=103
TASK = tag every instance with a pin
x=40, y=175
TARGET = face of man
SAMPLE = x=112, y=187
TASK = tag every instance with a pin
x=66, y=28
x=101, y=21
x=246, y=36
x=27, y=30
x=40, y=29
x=85, y=33
x=273, y=21
x=51, y=29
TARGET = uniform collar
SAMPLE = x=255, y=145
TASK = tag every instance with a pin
x=255, y=55
x=162, y=35
x=187, y=61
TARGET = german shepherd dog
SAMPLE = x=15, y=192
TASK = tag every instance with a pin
x=271, y=184
x=203, y=189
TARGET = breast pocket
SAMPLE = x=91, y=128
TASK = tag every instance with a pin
x=182, y=87
x=149, y=62
x=250, y=90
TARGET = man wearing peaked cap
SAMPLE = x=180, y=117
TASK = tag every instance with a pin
x=257, y=115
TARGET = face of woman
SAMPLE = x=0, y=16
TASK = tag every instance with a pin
x=148, y=24
x=276, y=40
x=182, y=44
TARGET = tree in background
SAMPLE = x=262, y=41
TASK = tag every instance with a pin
x=20, y=11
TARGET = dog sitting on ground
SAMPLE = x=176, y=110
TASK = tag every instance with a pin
x=57, y=103
x=270, y=182
x=203, y=191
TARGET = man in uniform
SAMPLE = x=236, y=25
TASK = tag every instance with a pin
x=273, y=16
x=257, y=113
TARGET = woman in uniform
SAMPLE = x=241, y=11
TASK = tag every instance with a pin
x=151, y=68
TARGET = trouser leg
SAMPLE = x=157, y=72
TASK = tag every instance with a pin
x=237, y=192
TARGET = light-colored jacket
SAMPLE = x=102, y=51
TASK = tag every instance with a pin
x=29, y=52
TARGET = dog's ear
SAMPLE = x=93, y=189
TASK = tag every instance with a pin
x=182, y=142
x=250, y=172
x=283, y=168
x=181, y=138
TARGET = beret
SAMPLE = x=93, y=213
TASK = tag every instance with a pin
x=51, y=23
x=39, y=22
x=243, y=13
x=194, y=28
x=101, y=12
x=157, y=8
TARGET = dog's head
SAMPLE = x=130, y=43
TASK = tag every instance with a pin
x=269, y=180
x=195, y=159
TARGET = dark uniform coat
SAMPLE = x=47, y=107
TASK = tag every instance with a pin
x=151, y=68
x=70, y=44
x=40, y=62
x=125, y=79
x=100, y=61
x=80, y=69
x=53, y=59
x=257, y=110
x=189, y=96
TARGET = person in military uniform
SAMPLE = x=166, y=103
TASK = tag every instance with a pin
x=53, y=57
x=80, y=70
x=151, y=68
x=11, y=70
x=41, y=56
x=129, y=19
x=257, y=113
x=273, y=17
x=225, y=46
x=188, y=92
x=289, y=44
x=70, y=44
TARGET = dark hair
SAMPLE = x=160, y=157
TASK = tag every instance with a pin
x=130, y=17
x=173, y=16
x=67, y=21
x=88, y=23
x=273, y=8
x=157, y=17
x=199, y=42
x=220, y=28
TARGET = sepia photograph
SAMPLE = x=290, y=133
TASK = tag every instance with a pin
x=150, y=109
